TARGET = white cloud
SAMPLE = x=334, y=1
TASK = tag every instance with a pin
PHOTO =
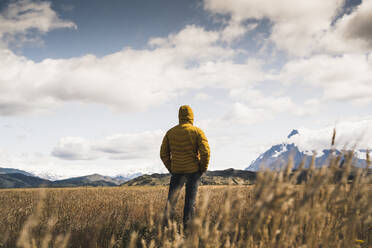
x=345, y=78
x=126, y=80
x=358, y=24
x=235, y=30
x=349, y=134
x=270, y=103
x=295, y=24
x=243, y=114
x=352, y=32
x=23, y=17
x=74, y=148
x=121, y=147
x=131, y=146
x=305, y=27
x=317, y=30
x=193, y=42
x=193, y=58
x=251, y=106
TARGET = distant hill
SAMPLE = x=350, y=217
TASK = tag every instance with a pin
x=11, y=170
x=11, y=178
x=221, y=177
x=276, y=157
x=18, y=180
x=23, y=179
x=90, y=180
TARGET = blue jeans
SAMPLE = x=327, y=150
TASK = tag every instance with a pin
x=177, y=181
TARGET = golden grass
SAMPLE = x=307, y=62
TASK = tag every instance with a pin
x=325, y=211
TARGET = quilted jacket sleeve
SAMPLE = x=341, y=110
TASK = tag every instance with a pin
x=165, y=153
x=204, y=150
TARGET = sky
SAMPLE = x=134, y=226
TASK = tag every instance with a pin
x=92, y=86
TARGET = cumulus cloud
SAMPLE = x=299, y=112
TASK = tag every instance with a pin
x=349, y=135
x=126, y=80
x=295, y=24
x=241, y=113
x=358, y=24
x=305, y=27
x=345, y=78
x=251, y=106
x=119, y=147
x=130, y=146
x=353, y=32
x=22, y=18
x=270, y=103
x=193, y=58
x=235, y=30
x=74, y=148
x=315, y=31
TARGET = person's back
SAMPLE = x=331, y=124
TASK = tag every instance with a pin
x=185, y=153
x=185, y=148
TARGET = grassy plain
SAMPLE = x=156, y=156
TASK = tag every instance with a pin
x=326, y=210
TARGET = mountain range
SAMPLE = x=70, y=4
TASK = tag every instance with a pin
x=23, y=179
x=223, y=177
x=15, y=178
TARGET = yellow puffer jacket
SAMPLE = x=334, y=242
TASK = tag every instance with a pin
x=185, y=148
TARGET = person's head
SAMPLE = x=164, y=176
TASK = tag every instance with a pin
x=185, y=115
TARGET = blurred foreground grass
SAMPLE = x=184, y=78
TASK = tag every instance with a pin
x=325, y=210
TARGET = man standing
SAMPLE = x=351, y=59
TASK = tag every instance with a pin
x=185, y=152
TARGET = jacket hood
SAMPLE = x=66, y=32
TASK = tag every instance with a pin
x=185, y=115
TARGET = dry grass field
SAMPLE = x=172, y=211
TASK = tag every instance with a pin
x=327, y=210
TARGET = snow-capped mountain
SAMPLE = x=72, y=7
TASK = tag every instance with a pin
x=277, y=156
x=48, y=176
x=127, y=177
